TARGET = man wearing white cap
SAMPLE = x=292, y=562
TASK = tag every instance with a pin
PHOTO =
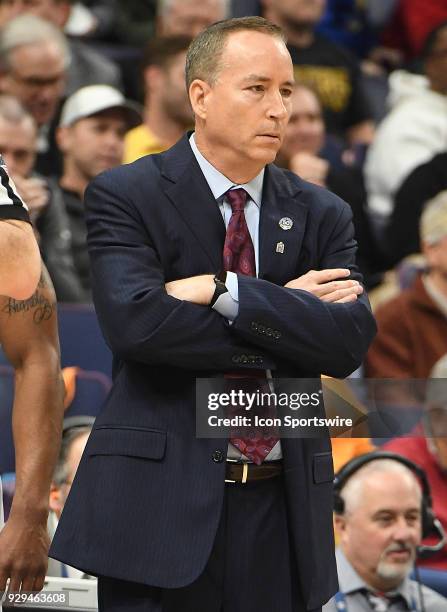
x=412, y=332
x=91, y=132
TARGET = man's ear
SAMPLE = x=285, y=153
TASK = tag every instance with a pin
x=63, y=138
x=431, y=254
x=198, y=95
x=339, y=524
x=56, y=502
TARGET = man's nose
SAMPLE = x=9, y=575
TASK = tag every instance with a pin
x=403, y=531
x=277, y=107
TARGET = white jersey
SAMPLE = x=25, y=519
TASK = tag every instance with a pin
x=11, y=204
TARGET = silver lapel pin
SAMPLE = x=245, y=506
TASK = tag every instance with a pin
x=285, y=223
x=280, y=247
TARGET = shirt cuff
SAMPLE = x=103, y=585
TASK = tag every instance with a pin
x=227, y=304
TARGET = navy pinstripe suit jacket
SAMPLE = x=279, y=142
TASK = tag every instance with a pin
x=147, y=497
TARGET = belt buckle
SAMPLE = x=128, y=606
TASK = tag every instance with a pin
x=244, y=471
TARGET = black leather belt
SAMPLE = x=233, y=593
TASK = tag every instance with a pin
x=249, y=472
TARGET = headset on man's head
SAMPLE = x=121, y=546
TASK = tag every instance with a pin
x=430, y=523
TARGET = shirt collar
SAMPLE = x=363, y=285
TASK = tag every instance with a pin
x=220, y=184
x=351, y=582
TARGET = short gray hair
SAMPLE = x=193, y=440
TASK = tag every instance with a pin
x=352, y=490
x=26, y=30
x=205, y=52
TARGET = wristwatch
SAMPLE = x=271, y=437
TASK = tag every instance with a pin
x=221, y=288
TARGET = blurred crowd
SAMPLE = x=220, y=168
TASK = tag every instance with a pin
x=86, y=86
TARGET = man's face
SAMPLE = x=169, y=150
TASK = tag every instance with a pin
x=305, y=130
x=245, y=112
x=436, y=65
x=51, y=10
x=296, y=13
x=189, y=17
x=59, y=494
x=174, y=95
x=18, y=146
x=380, y=534
x=37, y=78
x=94, y=144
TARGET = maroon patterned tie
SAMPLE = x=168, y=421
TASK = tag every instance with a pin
x=239, y=257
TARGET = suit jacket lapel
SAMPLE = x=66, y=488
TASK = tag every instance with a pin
x=187, y=189
x=279, y=248
x=189, y=192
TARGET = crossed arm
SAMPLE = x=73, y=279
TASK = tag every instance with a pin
x=28, y=333
x=326, y=323
x=323, y=284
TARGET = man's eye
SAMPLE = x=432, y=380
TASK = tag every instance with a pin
x=286, y=93
x=257, y=88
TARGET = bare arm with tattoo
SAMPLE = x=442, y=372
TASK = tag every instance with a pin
x=19, y=259
x=28, y=332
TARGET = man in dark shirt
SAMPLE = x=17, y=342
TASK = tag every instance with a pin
x=328, y=67
x=91, y=133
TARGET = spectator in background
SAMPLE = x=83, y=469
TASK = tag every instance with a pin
x=379, y=524
x=75, y=433
x=188, y=17
x=18, y=141
x=306, y=152
x=87, y=67
x=413, y=20
x=91, y=133
x=427, y=447
x=34, y=58
x=328, y=67
x=129, y=23
x=168, y=112
x=412, y=327
x=414, y=131
x=402, y=234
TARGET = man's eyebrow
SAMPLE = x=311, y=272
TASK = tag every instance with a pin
x=264, y=79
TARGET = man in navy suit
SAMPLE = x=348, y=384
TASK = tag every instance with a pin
x=208, y=259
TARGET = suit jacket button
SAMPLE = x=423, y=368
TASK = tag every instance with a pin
x=236, y=359
x=277, y=335
x=218, y=456
x=244, y=359
x=261, y=329
x=269, y=331
x=254, y=326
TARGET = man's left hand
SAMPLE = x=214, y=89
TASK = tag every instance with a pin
x=23, y=554
x=195, y=289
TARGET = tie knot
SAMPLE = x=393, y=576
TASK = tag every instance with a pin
x=237, y=199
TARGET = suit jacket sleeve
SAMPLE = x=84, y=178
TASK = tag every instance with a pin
x=316, y=336
x=140, y=321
